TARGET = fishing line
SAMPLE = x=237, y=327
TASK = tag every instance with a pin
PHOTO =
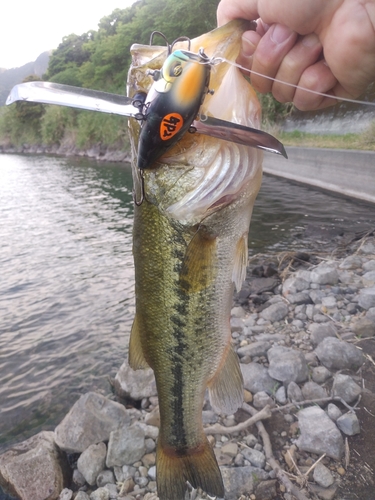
x=219, y=60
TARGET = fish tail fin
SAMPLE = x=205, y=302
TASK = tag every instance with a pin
x=198, y=466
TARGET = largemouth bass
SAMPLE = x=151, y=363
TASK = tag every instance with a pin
x=190, y=250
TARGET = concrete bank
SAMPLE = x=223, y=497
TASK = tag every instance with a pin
x=348, y=172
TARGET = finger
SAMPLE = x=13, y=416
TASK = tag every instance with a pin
x=317, y=78
x=269, y=53
x=303, y=54
x=228, y=10
x=250, y=40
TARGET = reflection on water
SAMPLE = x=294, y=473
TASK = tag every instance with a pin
x=66, y=288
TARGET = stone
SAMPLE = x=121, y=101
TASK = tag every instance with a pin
x=100, y=494
x=92, y=461
x=209, y=417
x=152, y=473
x=299, y=298
x=287, y=365
x=78, y=479
x=241, y=480
x=366, y=298
x=369, y=277
x=90, y=421
x=318, y=433
x=320, y=331
x=348, y=424
x=324, y=274
x=369, y=265
x=294, y=393
x=320, y=374
x=153, y=417
x=112, y=489
x=316, y=296
x=329, y=302
x=254, y=349
x=261, y=399
x=66, y=494
x=344, y=387
x=312, y=390
x=351, y=262
x=262, y=285
x=294, y=285
x=239, y=312
x=255, y=457
x=82, y=495
x=323, y=493
x=364, y=327
x=266, y=490
x=323, y=476
x=257, y=379
x=230, y=449
x=280, y=395
x=336, y=354
x=275, y=312
x=134, y=384
x=34, y=469
x=105, y=477
x=333, y=412
x=126, y=446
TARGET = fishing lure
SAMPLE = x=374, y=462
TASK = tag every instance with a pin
x=172, y=104
x=165, y=113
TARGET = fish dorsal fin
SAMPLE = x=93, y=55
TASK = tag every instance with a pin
x=136, y=357
x=226, y=387
x=240, y=262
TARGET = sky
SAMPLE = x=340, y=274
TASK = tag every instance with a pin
x=30, y=27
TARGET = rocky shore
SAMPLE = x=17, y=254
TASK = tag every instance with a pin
x=304, y=329
x=68, y=148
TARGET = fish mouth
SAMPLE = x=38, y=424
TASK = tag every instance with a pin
x=201, y=174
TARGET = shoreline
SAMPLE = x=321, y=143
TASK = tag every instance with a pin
x=348, y=173
x=283, y=312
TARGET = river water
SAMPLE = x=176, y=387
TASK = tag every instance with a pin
x=66, y=284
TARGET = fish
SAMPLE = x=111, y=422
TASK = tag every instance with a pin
x=190, y=248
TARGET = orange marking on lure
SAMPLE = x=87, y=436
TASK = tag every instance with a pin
x=170, y=125
x=188, y=86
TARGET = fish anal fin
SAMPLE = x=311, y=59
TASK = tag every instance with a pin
x=198, y=267
x=240, y=262
x=226, y=387
x=198, y=466
x=136, y=357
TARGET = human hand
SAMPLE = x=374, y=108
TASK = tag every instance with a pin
x=324, y=46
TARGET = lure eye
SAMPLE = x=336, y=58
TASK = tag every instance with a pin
x=172, y=68
x=176, y=70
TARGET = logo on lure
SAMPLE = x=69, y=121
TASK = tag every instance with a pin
x=172, y=103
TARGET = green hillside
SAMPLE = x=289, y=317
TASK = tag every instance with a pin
x=99, y=59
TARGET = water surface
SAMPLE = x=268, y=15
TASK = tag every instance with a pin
x=66, y=285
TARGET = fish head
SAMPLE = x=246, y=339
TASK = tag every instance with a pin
x=199, y=174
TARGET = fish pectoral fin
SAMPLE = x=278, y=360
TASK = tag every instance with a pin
x=198, y=466
x=240, y=262
x=137, y=359
x=226, y=387
x=198, y=268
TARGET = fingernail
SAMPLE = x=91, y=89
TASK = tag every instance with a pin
x=248, y=47
x=310, y=40
x=280, y=33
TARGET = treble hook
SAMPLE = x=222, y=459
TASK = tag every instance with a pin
x=142, y=199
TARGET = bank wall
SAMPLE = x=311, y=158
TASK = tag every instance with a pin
x=348, y=172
